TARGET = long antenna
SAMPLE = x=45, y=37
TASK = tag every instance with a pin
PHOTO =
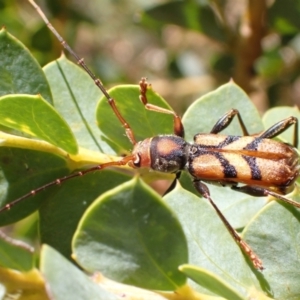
x=58, y=181
x=97, y=81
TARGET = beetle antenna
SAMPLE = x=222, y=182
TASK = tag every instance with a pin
x=97, y=81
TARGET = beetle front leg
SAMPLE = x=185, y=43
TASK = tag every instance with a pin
x=204, y=191
x=178, y=126
x=261, y=192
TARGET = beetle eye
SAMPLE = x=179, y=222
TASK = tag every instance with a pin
x=137, y=161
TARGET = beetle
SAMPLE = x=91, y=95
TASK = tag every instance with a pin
x=252, y=164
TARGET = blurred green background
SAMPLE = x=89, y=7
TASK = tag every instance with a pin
x=185, y=48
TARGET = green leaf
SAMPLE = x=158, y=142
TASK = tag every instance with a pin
x=65, y=281
x=20, y=73
x=75, y=97
x=15, y=254
x=210, y=245
x=211, y=282
x=131, y=236
x=143, y=122
x=34, y=116
x=274, y=236
x=77, y=195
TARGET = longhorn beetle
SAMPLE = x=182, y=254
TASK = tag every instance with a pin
x=263, y=166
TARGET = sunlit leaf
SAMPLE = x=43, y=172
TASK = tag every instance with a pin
x=34, y=116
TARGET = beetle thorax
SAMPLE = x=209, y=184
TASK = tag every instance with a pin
x=163, y=153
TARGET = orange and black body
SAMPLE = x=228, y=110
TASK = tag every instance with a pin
x=228, y=160
x=244, y=159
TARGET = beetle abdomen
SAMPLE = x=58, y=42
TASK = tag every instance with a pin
x=249, y=160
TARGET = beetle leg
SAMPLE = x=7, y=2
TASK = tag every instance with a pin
x=224, y=121
x=178, y=126
x=280, y=127
x=204, y=191
x=261, y=192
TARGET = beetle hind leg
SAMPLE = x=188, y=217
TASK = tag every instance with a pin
x=204, y=191
x=261, y=192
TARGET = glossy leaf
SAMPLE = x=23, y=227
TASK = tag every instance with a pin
x=65, y=281
x=34, y=116
x=75, y=97
x=144, y=123
x=274, y=236
x=210, y=245
x=15, y=254
x=20, y=73
x=131, y=236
